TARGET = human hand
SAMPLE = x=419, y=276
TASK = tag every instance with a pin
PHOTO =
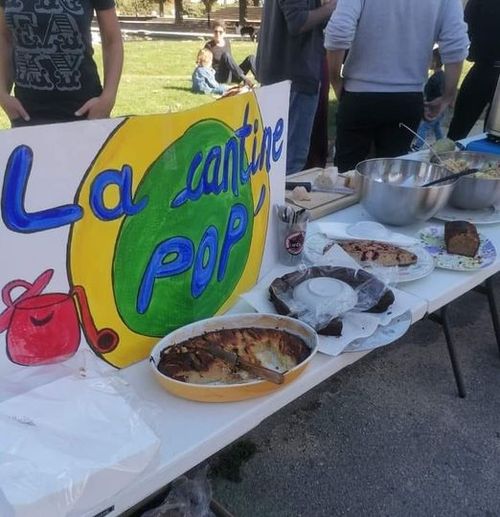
x=338, y=86
x=433, y=109
x=248, y=82
x=13, y=107
x=95, y=108
x=330, y=5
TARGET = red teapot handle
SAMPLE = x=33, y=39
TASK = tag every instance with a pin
x=31, y=290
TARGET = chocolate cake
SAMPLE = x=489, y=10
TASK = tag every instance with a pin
x=190, y=361
x=461, y=238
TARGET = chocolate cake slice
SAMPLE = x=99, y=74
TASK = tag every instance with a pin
x=461, y=238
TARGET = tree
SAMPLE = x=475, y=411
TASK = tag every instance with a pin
x=179, y=11
x=243, y=11
x=208, y=8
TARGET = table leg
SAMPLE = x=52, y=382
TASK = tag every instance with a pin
x=443, y=320
x=487, y=289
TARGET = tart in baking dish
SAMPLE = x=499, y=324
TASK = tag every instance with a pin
x=191, y=361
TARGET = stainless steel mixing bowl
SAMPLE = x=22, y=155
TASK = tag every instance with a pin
x=391, y=190
x=471, y=192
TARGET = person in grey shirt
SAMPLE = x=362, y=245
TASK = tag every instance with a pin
x=291, y=47
x=390, y=47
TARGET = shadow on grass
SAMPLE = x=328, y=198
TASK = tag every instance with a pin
x=178, y=88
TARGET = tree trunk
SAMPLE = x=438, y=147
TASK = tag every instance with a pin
x=179, y=11
x=209, y=22
x=243, y=11
x=161, y=8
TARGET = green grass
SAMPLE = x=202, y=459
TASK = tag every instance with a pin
x=157, y=77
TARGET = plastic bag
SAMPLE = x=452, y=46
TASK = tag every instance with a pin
x=188, y=497
x=318, y=295
x=71, y=438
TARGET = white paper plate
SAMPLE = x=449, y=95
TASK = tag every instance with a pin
x=489, y=215
x=384, y=335
x=356, y=325
x=432, y=239
x=316, y=243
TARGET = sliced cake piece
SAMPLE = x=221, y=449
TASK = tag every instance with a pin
x=381, y=253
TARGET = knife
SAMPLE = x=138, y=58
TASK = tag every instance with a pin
x=290, y=185
x=234, y=360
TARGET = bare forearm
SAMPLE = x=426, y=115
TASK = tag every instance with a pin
x=319, y=16
x=112, y=65
x=335, y=59
x=6, y=65
x=112, y=52
x=452, y=72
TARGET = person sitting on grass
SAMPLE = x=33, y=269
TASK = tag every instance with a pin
x=226, y=68
x=204, y=75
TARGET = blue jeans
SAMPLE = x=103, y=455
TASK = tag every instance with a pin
x=425, y=127
x=300, y=123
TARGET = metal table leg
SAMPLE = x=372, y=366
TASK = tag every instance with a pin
x=487, y=289
x=442, y=319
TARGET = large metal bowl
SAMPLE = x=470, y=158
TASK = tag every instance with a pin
x=391, y=190
x=470, y=192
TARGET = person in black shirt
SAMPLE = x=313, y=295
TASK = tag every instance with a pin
x=226, y=68
x=478, y=87
x=46, y=53
x=434, y=88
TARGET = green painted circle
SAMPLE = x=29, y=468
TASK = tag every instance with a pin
x=172, y=304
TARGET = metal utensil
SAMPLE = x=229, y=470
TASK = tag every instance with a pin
x=290, y=185
x=423, y=140
x=455, y=176
x=234, y=360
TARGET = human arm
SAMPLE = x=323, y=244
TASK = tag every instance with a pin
x=12, y=106
x=299, y=18
x=335, y=59
x=453, y=47
x=339, y=36
x=435, y=108
x=112, y=52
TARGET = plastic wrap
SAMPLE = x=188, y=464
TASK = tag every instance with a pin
x=71, y=438
x=353, y=289
x=188, y=497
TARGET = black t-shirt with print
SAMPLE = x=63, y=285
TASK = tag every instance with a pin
x=55, y=73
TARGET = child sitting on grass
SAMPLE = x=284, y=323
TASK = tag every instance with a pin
x=204, y=75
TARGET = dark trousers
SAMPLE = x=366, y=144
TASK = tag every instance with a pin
x=229, y=71
x=318, y=149
x=475, y=94
x=370, y=121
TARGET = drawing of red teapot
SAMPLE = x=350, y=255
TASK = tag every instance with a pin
x=45, y=328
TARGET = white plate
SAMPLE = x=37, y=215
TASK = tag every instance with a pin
x=355, y=325
x=315, y=245
x=384, y=335
x=489, y=215
x=432, y=239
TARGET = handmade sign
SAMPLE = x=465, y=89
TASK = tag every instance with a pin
x=116, y=232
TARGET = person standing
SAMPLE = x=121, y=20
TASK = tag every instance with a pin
x=46, y=53
x=478, y=87
x=226, y=68
x=390, y=47
x=434, y=88
x=291, y=47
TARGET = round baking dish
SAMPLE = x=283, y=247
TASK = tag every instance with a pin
x=232, y=392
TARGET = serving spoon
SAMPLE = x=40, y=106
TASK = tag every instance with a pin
x=454, y=176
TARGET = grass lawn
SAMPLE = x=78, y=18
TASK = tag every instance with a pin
x=157, y=78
